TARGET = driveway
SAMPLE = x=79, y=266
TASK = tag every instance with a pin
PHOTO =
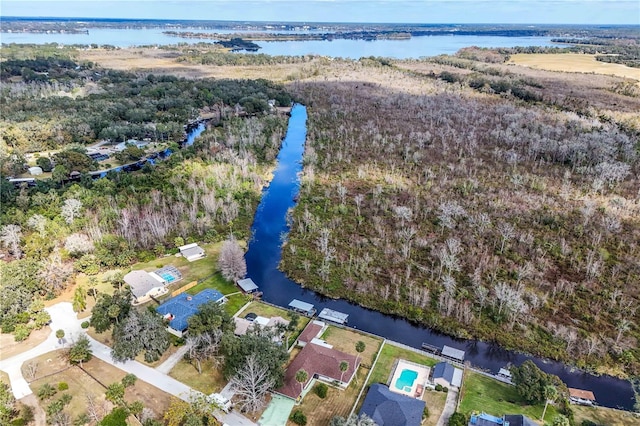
x=449, y=407
x=64, y=318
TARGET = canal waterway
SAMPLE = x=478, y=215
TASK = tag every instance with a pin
x=264, y=256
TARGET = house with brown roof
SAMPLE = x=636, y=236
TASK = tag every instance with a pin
x=313, y=330
x=581, y=397
x=321, y=363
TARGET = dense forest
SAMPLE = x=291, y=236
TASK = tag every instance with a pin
x=204, y=192
x=477, y=209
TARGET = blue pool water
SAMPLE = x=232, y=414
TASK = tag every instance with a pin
x=168, y=277
x=406, y=379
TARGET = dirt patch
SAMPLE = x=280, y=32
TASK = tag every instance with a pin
x=211, y=380
x=11, y=348
x=573, y=62
x=435, y=403
x=39, y=417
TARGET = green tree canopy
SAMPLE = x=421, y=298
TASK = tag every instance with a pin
x=531, y=382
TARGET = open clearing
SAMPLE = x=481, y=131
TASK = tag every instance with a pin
x=573, y=62
x=480, y=393
x=54, y=369
x=605, y=416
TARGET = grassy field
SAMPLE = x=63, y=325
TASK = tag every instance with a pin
x=211, y=379
x=53, y=369
x=338, y=402
x=435, y=403
x=605, y=416
x=480, y=393
x=344, y=339
x=573, y=62
x=389, y=355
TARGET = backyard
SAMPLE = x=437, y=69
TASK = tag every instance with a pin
x=481, y=393
x=344, y=339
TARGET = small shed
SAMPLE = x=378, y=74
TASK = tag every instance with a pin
x=335, y=316
x=247, y=285
x=35, y=171
x=302, y=307
x=192, y=252
x=453, y=353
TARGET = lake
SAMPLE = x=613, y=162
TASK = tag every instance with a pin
x=414, y=47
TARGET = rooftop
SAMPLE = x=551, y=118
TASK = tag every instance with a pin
x=453, y=353
x=335, y=316
x=302, y=306
x=184, y=306
x=318, y=360
x=583, y=394
x=247, y=285
x=141, y=282
x=311, y=331
x=387, y=408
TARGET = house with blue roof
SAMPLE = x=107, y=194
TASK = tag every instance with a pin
x=179, y=309
x=484, y=419
x=388, y=408
x=447, y=375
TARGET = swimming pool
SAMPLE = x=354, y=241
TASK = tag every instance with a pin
x=406, y=380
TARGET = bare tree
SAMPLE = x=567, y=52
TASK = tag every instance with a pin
x=38, y=223
x=203, y=346
x=94, y=411
x=10, y=236
x=32, y=369
x=251, y=384
x=231, y=261
x=71, y=209
x=507, y=232
x=78, y=244
x=55, y=272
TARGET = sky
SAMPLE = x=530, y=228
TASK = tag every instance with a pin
x=389, y=11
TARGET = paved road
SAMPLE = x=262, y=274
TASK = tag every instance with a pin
x=63, y=318
x=171, y=362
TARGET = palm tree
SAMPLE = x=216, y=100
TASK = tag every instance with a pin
x=360, y=347
x=344, y=366
x=301, y=377
x=550, y=395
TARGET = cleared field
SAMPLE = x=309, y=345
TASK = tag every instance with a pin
x=480, y=393
x=53, y=369
x=11, y=348
x=211, y=380
x=573, y=62
x=605, y=416
x=344, y=339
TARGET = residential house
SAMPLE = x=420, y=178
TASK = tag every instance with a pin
x=179, y=309
x=388, y=408
x=145, y=285
x=321, y=363
x=312, y=331
x=485, y=419
x=447, y=375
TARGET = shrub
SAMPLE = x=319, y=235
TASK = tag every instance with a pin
x=321, y=390
x=299, y=418
x=62, y=386
x=85, y=324
x=439, y=387
x=445, y=389
x=21, y=332
x=46, y=391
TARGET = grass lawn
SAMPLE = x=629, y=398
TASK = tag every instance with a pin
x=344, y=339
x=269, y=311
x=481, y=393
x=235, y=302
x=605, y=416
x=435, y=403
x=337, y=402
x=211, y=379
x=388, y=356
x=216, y=282
x=53, y=369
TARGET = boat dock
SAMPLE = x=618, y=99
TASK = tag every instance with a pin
x=334, y=316
x=302, y=307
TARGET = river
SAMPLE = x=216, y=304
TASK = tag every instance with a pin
x=414, y=47
x=264, y=256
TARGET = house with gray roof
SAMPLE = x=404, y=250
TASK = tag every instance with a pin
x=388, y=408
x=447, y=375
x=145, y=285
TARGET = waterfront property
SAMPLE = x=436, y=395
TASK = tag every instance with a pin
x=243, y=325
x=145, y=285
x=409, y=378
x=581, y=397
x=302, y=307
x=179, y=309
x=484, y=419
x=192, y=252
x=247, y=285
x=321, y=362
x=445, y=374
x=453, y=354
x=312, y=331
x=335, y=316
x=389, y=408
